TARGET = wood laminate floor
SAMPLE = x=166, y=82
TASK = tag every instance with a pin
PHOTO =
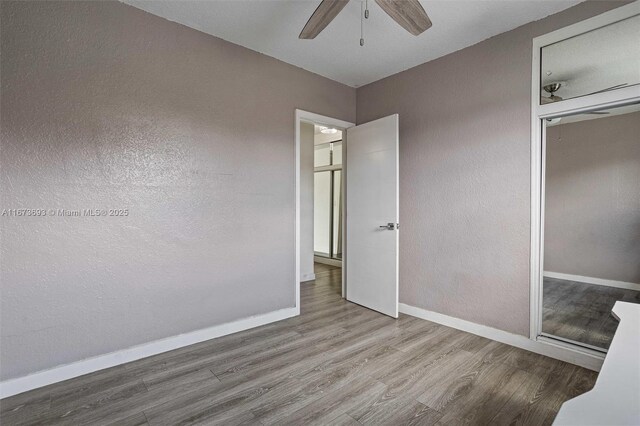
x=321, y=269
x=582, y=312
x=335, y=364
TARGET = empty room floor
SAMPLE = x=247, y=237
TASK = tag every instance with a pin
x=582, y=312
x=337, y=363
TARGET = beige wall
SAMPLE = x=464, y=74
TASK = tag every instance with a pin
x=592, y=205
x=465, y=173
x=106, y=106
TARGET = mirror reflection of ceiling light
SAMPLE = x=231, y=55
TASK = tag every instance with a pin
x=328, y=130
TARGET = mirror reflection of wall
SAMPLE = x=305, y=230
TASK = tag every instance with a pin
x=592, y=223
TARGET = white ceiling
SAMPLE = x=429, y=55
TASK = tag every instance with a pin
x=272, y=27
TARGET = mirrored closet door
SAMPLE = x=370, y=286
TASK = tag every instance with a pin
x=586, y=243
x=591, y=223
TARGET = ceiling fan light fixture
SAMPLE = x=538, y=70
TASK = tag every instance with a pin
x=553, y=87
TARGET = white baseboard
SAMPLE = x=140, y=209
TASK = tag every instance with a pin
x=591, y=361
x=307, y=277
x=68, y=371
x=591, y=280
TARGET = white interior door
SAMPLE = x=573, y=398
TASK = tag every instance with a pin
x=372, y=215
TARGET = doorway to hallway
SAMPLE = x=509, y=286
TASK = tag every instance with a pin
x=327, y=195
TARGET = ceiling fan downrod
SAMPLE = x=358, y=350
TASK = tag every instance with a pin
x=364, y=13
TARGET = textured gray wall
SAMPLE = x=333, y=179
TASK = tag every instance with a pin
x=592, y=208
x=465, y=173
x=106, y=106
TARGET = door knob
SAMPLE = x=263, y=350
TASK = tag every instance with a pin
x=390, y=226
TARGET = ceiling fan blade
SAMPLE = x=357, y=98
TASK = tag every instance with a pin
x=617, y=86
x=598, y=113
x=408, y=13
x=324, y=14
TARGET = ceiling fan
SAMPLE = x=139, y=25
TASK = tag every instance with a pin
x=552, y=88
x=408, y=13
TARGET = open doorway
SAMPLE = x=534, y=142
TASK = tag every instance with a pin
x=327, y=206
x=322, y=158
x=327, y=195
x=347, y=210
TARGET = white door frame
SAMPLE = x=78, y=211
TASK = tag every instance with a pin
x=313, y=118
x=613, y=98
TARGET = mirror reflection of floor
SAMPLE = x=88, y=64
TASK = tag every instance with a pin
x=582, y=312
